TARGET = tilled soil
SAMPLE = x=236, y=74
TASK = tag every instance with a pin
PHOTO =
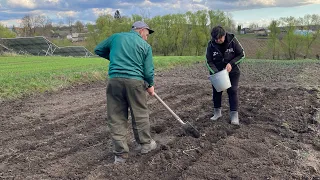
x=64, y=135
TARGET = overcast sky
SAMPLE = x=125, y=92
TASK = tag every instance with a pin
x=243, y=11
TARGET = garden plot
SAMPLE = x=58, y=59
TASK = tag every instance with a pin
x=64, y=135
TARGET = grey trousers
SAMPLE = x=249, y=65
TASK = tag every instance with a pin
x=122, y=94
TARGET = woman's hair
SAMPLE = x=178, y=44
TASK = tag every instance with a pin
x=217, y=32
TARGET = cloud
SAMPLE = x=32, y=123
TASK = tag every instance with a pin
x=80, y=5
x=18, y=5
x=8, y=15
x=61, y=5
x=313, y=1
x=233, y=5
x=157, y=1
x=52, y=1
x=162, y=7
x=10, y=22
x=89, y=10
x=257, y=2
x=29, y=4
x=64, y=14
x=98, y=11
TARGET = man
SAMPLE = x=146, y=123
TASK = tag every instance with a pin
x=130, y=66
x=225, y=52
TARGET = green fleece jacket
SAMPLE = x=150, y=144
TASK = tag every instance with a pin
x=130, y=56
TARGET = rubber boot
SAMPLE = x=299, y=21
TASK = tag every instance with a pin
x=234, y=116
x=146, y=148
x=216, y=114
x=120, y=158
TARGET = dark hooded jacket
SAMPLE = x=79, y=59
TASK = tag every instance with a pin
x=233, y=53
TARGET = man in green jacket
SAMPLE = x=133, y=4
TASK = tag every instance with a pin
x=131, y=73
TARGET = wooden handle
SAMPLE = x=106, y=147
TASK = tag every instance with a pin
x=167, y=107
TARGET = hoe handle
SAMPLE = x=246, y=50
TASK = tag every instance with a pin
x=167, y=107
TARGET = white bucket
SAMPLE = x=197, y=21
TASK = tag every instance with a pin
x=220, y=80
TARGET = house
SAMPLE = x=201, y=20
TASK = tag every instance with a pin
x=303, y=32
x=19, y=31
x=60, y=34
x=246, y=31
x=76, y=37
x=261, y=31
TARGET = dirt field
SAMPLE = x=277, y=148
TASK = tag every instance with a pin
x=63, y=135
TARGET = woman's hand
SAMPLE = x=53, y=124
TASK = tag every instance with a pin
x=229, y=67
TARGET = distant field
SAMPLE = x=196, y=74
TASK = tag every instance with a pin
x=26, y=75
x=258, y=48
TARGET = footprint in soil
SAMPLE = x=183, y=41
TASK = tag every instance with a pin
x=158, y=129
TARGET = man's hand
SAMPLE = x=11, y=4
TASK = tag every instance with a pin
x=150, y=90
x=229, y=67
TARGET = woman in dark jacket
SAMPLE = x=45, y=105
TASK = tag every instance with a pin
x=225, y=52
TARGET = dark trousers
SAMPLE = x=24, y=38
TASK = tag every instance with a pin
x=123, y=94
x=232, y=93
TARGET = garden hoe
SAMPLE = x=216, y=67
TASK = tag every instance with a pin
x=189, y=129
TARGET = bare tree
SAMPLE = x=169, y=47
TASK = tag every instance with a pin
x=70, y=21
x=60, y=24
x=291, y=41
x=28, y=24
x=253, y=25
x=40, y=22
x=230, y=25
x=308, y=23
x=48, y=27
x=145, y=14
x=35, y=25
x=79, y=26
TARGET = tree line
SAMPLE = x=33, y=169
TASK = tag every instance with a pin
x=294, y=36
x=176, y=34
x=40, y=25
x=186, y=34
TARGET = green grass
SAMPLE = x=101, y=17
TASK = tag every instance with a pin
x=22, y=76
x=267, y=64
x=285, y=62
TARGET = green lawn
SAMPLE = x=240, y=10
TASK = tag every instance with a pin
x=21, y=76
x=27, y=75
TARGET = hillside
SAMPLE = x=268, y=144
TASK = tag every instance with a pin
x=257, y=48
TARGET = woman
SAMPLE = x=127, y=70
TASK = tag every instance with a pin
x=225, y=52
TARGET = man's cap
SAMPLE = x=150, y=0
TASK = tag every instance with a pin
x=141, y=24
